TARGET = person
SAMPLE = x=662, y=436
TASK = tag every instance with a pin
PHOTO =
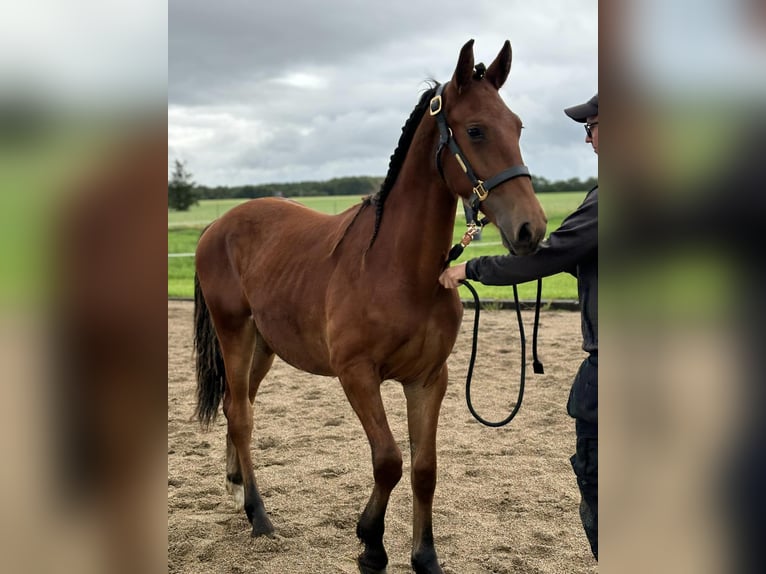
x=573, y=248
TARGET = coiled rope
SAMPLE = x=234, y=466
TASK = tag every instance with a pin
x=454, y=253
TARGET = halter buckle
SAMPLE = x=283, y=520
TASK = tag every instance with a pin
x=480, y=192
x=436, y=105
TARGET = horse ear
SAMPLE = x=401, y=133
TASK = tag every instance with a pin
x=499, y=69
x=464, y=69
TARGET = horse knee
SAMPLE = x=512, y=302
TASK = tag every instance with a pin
x=387, y=467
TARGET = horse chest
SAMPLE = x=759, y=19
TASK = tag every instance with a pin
x=427, y=349
x=404, y=345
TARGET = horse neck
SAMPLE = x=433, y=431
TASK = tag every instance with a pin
x=420, y=211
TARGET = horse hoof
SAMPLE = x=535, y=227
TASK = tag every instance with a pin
x=370, y=562
x=369, y=570
x=432, y=569
x=262, y=526
x=261, y=531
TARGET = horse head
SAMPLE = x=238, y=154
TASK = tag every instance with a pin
x=482, y=134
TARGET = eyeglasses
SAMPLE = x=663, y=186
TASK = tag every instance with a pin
x=588, y=129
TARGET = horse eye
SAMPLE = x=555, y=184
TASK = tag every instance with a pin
x=475, y=133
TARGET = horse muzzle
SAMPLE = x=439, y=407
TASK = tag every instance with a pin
x=525, y=241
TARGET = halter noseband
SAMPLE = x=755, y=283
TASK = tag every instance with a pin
x=481, y=188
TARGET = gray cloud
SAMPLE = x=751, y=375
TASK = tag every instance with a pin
x=308, y=90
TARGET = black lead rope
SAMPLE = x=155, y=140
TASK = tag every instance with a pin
x=469, y=376
x=537, y=366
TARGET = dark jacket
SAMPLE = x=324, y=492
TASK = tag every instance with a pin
x=573, y=248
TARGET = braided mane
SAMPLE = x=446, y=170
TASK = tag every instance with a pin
x=397, y=158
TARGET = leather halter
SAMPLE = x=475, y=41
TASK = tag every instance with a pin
x=481, y=188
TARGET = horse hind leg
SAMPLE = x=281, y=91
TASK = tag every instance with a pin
x=238, y=341
x=263, y=358
x=362, y=387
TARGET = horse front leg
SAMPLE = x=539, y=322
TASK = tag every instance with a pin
x=362, y=387
x=423, y=404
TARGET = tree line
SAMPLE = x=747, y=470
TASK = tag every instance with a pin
x=183, y=192
x=358, y=185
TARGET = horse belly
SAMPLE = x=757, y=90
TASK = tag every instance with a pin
x=305, y=357
x=294, y=336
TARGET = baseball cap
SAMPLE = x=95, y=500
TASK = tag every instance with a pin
x=582, y=112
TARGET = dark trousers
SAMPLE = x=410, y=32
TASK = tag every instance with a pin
x=583, y=407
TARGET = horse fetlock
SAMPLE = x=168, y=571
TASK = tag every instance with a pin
x=425, y=561
x=370, y=530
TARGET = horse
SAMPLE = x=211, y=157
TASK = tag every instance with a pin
x=356, y=295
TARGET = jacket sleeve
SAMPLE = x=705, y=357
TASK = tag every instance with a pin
x=576, y=238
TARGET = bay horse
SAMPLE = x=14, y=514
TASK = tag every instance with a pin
x=356, y=295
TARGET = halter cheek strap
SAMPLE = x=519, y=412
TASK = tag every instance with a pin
x=481, y=188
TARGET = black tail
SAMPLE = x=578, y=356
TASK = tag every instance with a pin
x=211, y=375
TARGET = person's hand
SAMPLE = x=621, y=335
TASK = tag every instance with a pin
x=452, y=276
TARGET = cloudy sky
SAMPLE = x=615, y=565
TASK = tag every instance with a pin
x=303, y=90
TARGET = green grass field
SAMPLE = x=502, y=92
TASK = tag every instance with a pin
x=184, y=229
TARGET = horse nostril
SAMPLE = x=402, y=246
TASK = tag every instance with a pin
x=525, y=233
